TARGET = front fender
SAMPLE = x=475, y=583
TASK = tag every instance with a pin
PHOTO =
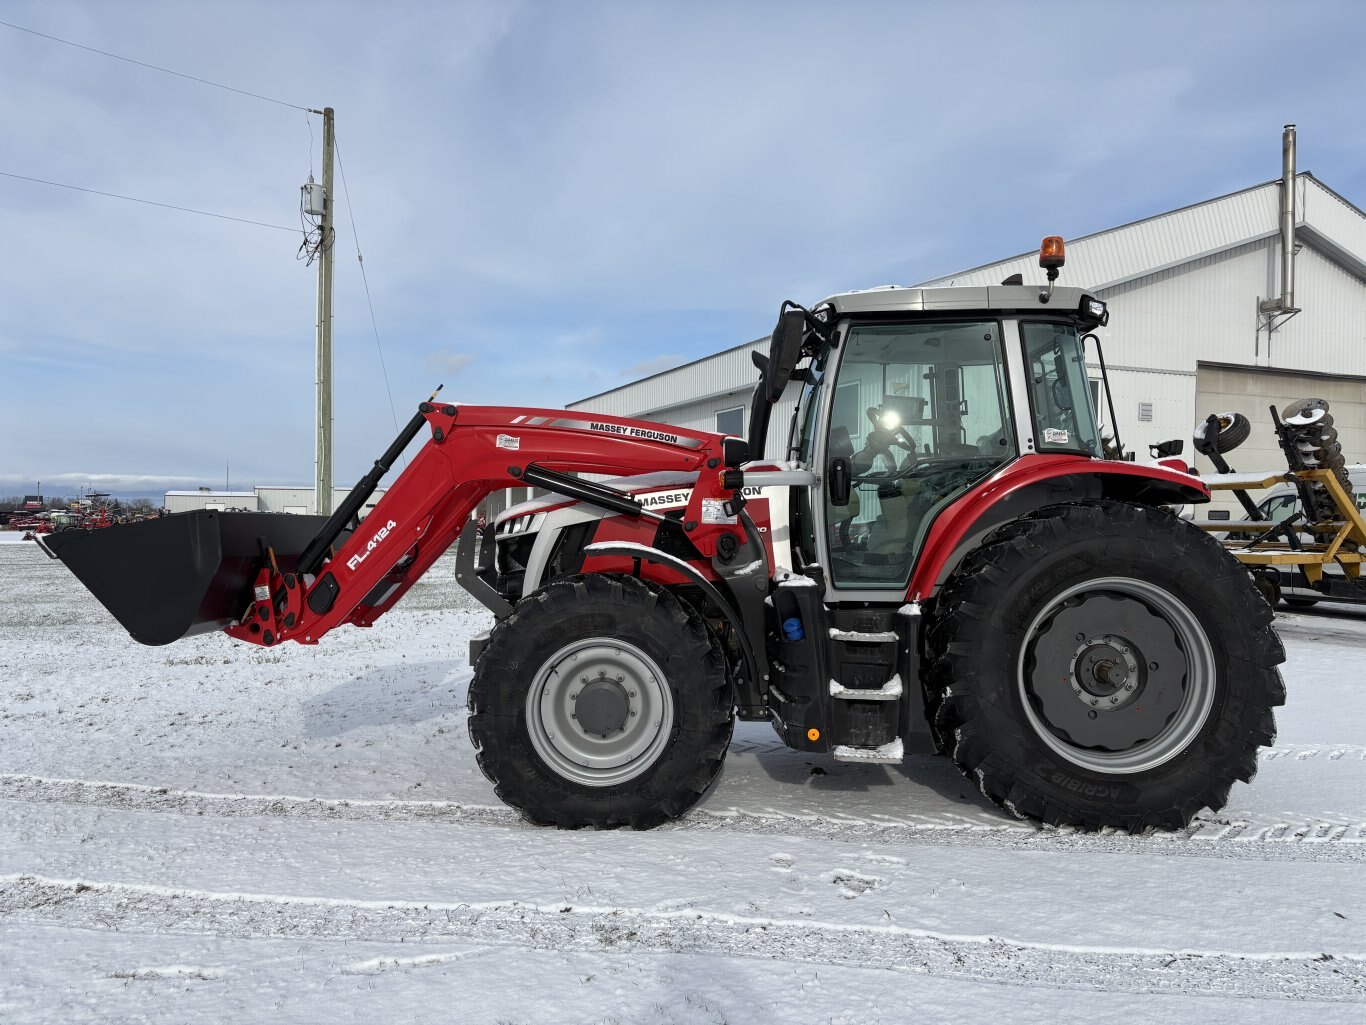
x=638, y=553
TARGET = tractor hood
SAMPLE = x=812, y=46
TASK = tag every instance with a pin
x=662, y=489
x=636, y=486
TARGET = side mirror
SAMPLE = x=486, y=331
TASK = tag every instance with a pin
x=785, y=348
x=1163, y=449
x=840, y=481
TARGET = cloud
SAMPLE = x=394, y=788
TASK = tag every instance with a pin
x=71, y=483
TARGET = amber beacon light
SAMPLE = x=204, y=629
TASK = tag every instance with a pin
x=1051, y=253
x=1051, y=257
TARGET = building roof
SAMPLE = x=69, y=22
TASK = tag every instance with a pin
x=662, y=373
x=214, y=494
x=301, y=487
x=1105, y=259
x=1134, y=250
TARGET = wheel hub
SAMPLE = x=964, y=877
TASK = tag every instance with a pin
x=601, y=708
x=1105, y=672
x=599, y=711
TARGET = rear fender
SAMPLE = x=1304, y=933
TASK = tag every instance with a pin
x=1031, y=483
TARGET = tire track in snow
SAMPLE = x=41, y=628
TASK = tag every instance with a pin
x=139, y=797
x=1209, y=836
x=124, y=907
x=1303, y=752
x=1314, y=840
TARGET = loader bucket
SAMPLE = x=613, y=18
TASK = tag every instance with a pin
x=183, y=574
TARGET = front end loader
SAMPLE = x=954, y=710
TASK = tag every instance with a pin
x=947, y=558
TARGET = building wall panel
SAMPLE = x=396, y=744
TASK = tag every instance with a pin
x=189, y=501
x=1250, y=392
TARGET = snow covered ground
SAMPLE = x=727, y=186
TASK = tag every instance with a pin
x=210, y=831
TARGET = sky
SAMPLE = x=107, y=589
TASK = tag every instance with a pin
x=553, y=199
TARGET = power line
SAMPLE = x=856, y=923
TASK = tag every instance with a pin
x=346, y=191
x=148, y=202
x=153, y=67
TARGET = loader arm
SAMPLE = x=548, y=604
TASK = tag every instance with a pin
x=470, y=452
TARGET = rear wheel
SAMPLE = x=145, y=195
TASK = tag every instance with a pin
x=601, y=701
x=1104, y=665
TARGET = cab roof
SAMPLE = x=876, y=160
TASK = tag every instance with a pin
x=992, y=298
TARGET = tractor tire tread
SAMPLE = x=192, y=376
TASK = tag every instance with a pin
x=684, y=771
x=966, y=710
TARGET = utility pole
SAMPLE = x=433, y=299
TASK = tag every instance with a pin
x=322, y=477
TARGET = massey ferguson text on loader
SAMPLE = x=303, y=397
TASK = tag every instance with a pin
x=941, y=561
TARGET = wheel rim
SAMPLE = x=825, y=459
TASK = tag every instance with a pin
x=1116, y=675
x=599, y=712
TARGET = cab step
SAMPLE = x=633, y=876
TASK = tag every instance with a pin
x=862, y=637
x=889, y=691
x=892, y=753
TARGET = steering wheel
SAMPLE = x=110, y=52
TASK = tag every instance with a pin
x=888, y=436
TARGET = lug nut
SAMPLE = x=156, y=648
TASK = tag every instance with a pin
x=1091, y=714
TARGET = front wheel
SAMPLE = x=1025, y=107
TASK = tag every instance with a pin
x=1104, y=665
x=601, y=701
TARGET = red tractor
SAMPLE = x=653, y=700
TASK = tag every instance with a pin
x=941, y=560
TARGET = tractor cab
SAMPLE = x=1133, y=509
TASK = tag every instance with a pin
x=912, y=397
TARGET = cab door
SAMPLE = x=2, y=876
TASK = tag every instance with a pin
x=914, y=413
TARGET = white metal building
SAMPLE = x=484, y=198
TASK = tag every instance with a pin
x=188, y=501
x=264, y=498
x=1188, y=332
